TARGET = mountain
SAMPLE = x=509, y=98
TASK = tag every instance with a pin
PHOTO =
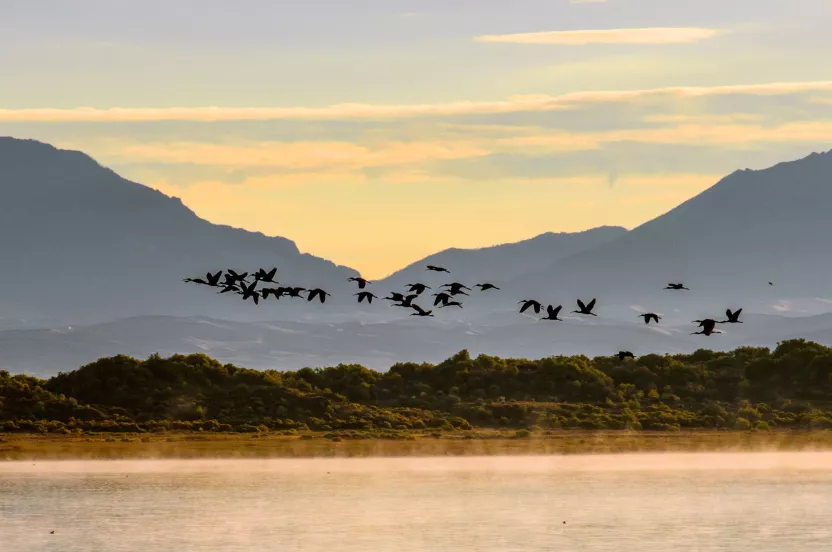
x=726, y=244
x=503, y=262
x=80, y=244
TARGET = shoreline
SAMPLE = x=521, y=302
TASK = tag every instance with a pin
x=133, y=446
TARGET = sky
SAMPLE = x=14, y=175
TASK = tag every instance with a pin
x=376, y=132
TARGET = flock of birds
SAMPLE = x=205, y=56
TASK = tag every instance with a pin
x=447, y=295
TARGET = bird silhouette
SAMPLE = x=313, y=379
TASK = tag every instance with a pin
x=362, y=283
x=406, y=301
x=552, y=313
x=442, y=297
x=676, y=286
x=236, y=277
x=650, y=316
x=456, y=288
x=266, y=292
x=228, y=288
x=771, y=283
x=366, y=295
x=262, y=276
x=707, y=326
x=486, y=287
x=586, y=309
x=437, y=269
x=733, y=317
x=624, y=354
x=451, y=304
x=319, y=293
x=248, y=292
x=420, y=311
x=212, y=280
x=293, y=292
x=530, y=304
x=419, y=289
x=395, y=296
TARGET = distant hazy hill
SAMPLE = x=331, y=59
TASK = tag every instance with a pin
x=292, y=345
x=726, y=244
x=79, y=243
x=503, y=262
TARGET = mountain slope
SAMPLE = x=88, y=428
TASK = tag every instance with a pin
x=79, y=244
x=726, y=244
x=506, y=261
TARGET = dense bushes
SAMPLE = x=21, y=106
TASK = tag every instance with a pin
x=749, y=388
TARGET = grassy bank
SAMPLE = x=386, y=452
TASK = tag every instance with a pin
x=32, y=447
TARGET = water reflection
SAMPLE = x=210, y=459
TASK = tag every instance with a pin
x=777, y=502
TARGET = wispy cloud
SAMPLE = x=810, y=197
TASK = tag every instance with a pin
x=513, y=104
x=648, y=35
x=295, y=156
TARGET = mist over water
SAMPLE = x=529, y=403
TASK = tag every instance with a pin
x=638, y=502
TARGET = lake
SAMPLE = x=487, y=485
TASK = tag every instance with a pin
x=775, y=502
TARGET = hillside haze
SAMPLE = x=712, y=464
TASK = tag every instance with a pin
x=726, y=244
x=503, y=262
x=81, y=244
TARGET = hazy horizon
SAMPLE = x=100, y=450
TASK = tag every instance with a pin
x=374, y=135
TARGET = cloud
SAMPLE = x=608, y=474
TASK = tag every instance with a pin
x=292, y=156
x=513, y=104
x=648, y=35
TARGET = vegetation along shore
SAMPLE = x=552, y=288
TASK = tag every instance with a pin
x=194, y=406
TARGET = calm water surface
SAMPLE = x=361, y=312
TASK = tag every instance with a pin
x=710, y=502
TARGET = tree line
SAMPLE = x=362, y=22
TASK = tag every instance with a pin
x=748, y=388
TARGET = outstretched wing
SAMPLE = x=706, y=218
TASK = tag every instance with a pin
x=418, y=309
x=591, y=305
x=737, y=314
x=312, y=295
x=557, y=310
x=728, y=313
x=525, y=307
x=581, y=305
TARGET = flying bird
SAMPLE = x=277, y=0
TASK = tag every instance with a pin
x=395, y=296
x=366, y=295
x=437, y=269
x=227, y=288
x=362, y=283
x=420, y=311
x=248, y=292
x=262, y=276
x=293, y=291
x=486, y=287
x=456, y=288
x=624, y=354
x=235, y=277
x=407, y=301
x=707, y=326
x=771, y=283
x=733, y=317
x=317, y=292
x=530, y=304
x=212, y=280
x=650, y=316
x=676, y=286
x=266, y=292
x=553, y=313
x=417, y=288
x=586, y=309
x=441, y=298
